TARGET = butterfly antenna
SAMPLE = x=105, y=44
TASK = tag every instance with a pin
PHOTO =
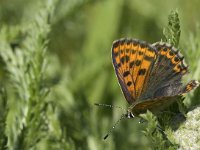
x=111, y=130
x=111, y=106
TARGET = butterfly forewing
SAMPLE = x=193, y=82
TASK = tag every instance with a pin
x=133, y=62
x=164, y=85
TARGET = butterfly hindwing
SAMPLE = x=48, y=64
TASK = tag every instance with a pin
x=154, y=105
x=161, y=102
x=171, y=59
x=167, y=72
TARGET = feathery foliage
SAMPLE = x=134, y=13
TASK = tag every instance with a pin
x=172, y=32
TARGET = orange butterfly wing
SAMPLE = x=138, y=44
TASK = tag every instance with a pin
x=133, y=62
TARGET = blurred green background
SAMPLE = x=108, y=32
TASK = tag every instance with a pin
x=79, y=70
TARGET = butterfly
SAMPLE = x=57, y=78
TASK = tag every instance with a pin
x=150, y=75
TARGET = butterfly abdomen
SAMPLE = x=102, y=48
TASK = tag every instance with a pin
x=190, y=86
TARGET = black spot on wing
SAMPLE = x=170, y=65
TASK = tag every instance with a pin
x=165, y=49
x=129, y=83
x=171, y=53
x=176, y=59
x=138, y=62
x=124, y=59
x=142, y=72
x=127, y=50
x=133, y=51
x=131, y=64
x=142, y=45
x=148, y=58
x=141, y=53
x=116, y=54
x=126, y=73
x=127, y=58
x=118, y=65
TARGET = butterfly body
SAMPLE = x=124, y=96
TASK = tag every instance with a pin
x=149, y=74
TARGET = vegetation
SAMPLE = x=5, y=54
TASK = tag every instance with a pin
x=55, y=64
